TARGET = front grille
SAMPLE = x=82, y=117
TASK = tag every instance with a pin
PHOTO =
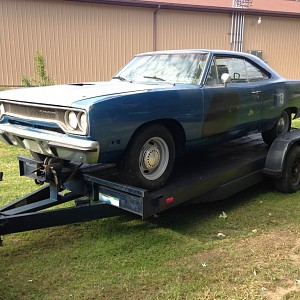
x=35, y=114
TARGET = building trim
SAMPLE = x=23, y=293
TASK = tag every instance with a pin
x=190, y=7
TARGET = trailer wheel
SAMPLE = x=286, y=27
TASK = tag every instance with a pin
x=283, y=125
x=149, y=158
x=289, y=182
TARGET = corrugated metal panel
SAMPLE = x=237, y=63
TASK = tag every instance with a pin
x=183, y=30
x=279, y=40
x=81, y=42
x=90, y=42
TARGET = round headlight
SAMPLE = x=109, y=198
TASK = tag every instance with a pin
x=83, y=122
x=2, y=111
x=72, y=120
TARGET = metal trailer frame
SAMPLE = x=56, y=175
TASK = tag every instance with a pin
x=202, y=177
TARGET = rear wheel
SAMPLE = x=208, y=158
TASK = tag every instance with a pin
x=149, y=158
x=283, y=125
x=289, y=182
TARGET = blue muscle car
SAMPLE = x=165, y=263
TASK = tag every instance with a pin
x=158, y=105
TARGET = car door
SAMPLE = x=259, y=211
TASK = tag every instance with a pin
x=234, y=107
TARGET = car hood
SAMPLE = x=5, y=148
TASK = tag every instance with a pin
x=67, y=94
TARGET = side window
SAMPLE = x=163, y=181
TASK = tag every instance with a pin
x=235, y=67
x=239, y=69
x=254, y=73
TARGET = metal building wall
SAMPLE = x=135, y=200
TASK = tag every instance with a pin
x=188, y=30
x=90, y=42
x=81, y=41
x=279, y=40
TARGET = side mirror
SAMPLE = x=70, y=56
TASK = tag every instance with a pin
x=225, y=78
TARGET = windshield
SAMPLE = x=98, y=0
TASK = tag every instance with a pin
x=183, y=68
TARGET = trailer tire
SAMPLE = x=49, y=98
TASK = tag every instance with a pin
x=283, y=125
x=149, y=158
x=289, y=182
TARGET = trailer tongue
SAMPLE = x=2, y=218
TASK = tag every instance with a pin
x=96, y=193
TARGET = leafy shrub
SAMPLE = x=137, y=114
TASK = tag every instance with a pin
x=42, y=79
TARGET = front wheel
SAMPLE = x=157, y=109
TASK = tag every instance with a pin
x=149, y=158
x=283, y=125
x=289, y=182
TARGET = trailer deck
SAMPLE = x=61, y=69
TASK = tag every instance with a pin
x=96, y=192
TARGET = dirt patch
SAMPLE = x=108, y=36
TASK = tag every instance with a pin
x=264, y=265
x=295, y=252
x=291, y=289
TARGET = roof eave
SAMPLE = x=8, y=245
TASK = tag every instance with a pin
x=188, y=7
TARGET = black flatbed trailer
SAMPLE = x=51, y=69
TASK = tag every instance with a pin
x=97, y=193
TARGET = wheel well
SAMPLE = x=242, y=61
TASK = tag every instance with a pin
x=175, y=129
x=292, y=110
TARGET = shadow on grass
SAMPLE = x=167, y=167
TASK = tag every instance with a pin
x=199, y=220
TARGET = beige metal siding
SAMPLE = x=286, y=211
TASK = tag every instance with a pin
x=81, y=42
x=279, y=39
x=186, y=30
x=90, y=42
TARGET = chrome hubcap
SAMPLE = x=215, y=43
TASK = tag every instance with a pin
x=154, y=158
x=283, y=124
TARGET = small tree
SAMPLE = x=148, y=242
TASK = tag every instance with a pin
x=42, y=79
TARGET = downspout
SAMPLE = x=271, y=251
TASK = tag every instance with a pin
x=242, y=33
x=233, y=31
x=155, y=28
x=237, y=31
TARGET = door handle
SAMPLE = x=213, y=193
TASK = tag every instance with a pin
x=256, y=92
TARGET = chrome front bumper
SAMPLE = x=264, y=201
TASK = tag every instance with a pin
x=51, y=143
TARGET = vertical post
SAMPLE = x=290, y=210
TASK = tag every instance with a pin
x=155, y=28
x=242, y=33
x=238, y=24
x=231, y=31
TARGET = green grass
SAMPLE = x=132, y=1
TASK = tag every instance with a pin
x=178, y=255
x=296, y=123
x=12, y=186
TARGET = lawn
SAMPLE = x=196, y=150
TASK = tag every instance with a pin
x=186, y=253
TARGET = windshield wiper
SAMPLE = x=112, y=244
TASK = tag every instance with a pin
x=121, y=78
x=158, y=78
x=154, y=77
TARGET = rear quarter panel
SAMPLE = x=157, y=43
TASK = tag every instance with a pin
x=277, y=96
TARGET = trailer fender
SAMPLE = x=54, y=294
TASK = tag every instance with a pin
x=278, y=151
